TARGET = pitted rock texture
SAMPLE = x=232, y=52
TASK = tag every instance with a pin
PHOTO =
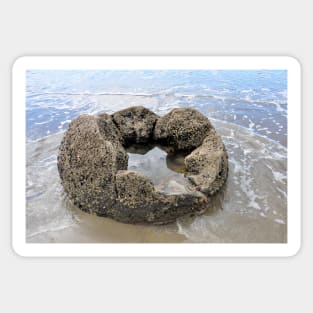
x=92, y=164
x=136, y=124
x=207, y=165
x=138, y=200
x=88, y=161
x=182, y=129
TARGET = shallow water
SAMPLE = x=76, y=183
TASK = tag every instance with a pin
x=166, y=171
x=249, y=111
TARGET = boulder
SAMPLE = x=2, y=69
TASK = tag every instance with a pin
x=111, y=133
x=138, y=201
x=136, y=124
x=182, y=129
x=207, y=165
x=88, y=161
x=92, y=164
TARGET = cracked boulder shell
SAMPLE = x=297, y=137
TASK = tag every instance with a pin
x=92, y=164
x=182, y=129
x=135, y=124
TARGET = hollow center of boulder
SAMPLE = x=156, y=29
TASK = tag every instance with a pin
x=165, y=168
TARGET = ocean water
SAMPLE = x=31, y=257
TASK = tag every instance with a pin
x=248, y=108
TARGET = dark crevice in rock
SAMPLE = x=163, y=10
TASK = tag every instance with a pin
x=135, y=124
x=152, y=131
x=115, y=123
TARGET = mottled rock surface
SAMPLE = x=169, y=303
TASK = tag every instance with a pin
x=138, y=201
x=88, y=161
x=110, y=132
x=207, y=165
x=182, y=129
x=136, y=124
x=92, y=164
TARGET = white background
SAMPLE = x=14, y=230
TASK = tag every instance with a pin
x=149, y=28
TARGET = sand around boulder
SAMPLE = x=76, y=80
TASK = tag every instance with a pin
x=92, y=164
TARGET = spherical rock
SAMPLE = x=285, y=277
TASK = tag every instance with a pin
x=182, y=129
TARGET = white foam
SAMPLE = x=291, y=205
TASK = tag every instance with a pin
x=251, y=124
x=246, y=91
x=42, y=123
x=237, y=166
x=279, y=221
x=64, y=122
x=50, y=228
x=282, y=178
x=202, y=229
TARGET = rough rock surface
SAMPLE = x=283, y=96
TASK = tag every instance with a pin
x=92, y=164
x=88, y=161
x=110, y=132
x=136, y=124
x=182, y=129
x=138, y=201
x=208, y=164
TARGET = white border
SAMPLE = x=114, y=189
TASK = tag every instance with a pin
x=155, y=250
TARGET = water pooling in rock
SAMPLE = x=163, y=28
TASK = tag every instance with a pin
x=165, y=170
x=252, y=206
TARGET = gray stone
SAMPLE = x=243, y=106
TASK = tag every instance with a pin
x=136, y=124
x=182, y=129
x=88, y=161
x=207, y=165
x=138, y=201
x=110, y=132
x=92, y=164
